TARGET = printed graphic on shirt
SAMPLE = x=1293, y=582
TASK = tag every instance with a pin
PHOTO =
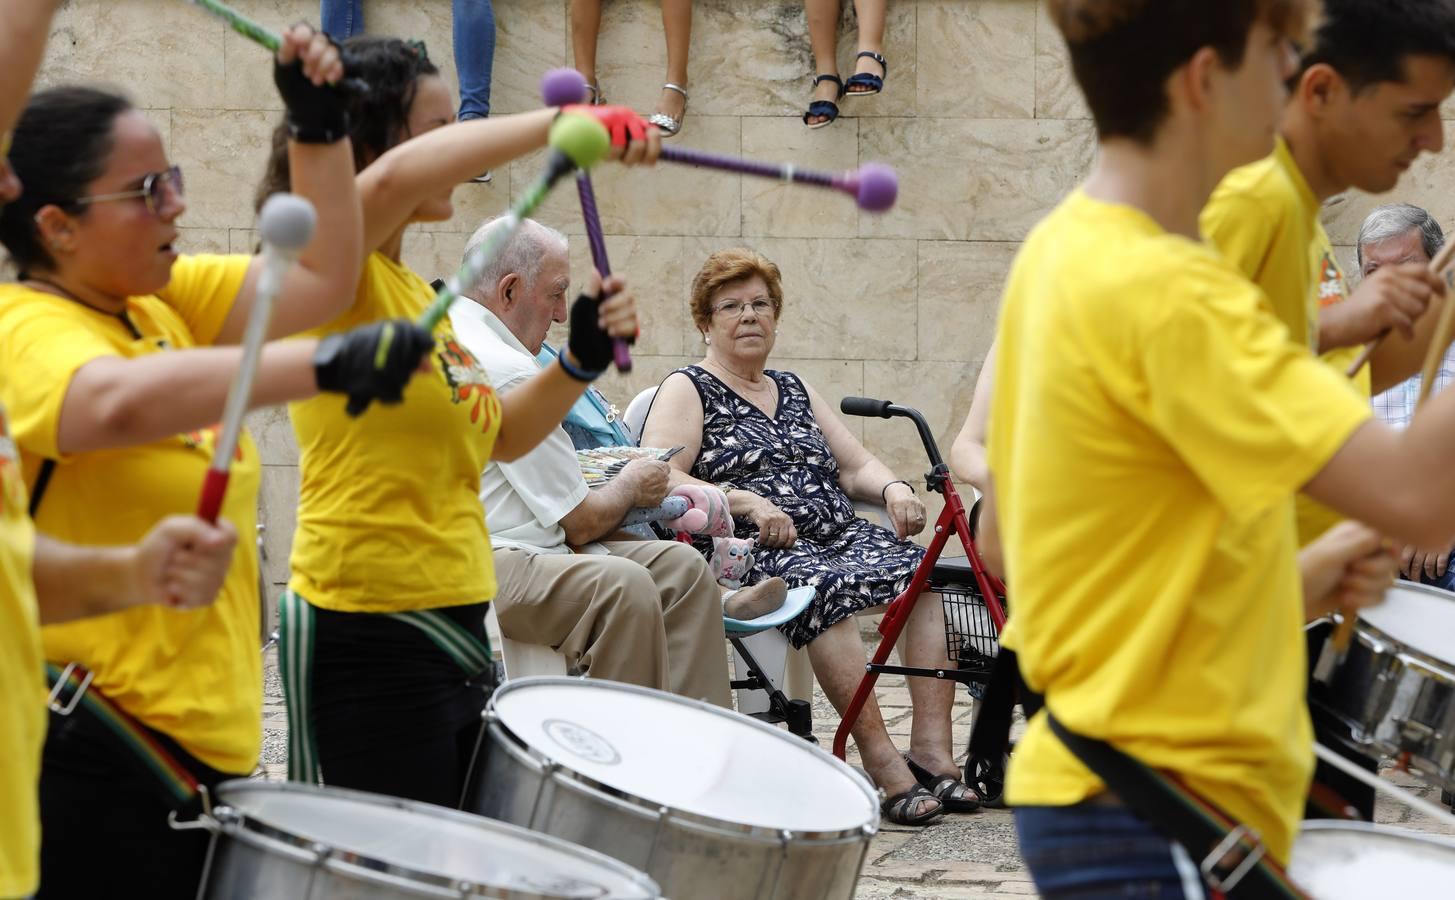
x=468, y=381
x=205, y=439
x=1331, y=281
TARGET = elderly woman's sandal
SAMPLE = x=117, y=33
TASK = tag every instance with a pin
x=956, y=795
x=910, y=807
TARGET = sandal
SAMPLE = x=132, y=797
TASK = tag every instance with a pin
x=897, y=808
x=597, y=98
x=955, y=795
x=665, y=123
x=874, y=83
x=824, y=107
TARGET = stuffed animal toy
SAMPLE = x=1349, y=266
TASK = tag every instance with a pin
x=732, y=560
x=707, y=513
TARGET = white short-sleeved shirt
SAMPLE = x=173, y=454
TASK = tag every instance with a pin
x=524, y=500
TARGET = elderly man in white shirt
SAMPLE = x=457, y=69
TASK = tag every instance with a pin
x=642, y=612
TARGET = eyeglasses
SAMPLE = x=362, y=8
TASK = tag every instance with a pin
x=733, y=309
x=153, y=189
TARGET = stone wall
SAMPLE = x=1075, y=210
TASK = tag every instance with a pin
x=979, y=115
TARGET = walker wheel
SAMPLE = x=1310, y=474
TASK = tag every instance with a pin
x=988, y=780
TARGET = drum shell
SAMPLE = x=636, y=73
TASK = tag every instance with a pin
x=1397, y=700
x=1406, y=864
x=690, y=858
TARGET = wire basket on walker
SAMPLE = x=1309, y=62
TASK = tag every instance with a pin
x=973, y=598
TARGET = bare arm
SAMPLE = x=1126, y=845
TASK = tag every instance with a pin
x=24, y=27
x=321, y=286
x=181, y=563
x=642, y=482
x=861, y=474
x=967, y=454
x=117, y=402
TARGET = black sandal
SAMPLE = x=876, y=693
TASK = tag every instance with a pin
x=896, y=809
x=875, y=83
x=949, y=790
x=824, y=107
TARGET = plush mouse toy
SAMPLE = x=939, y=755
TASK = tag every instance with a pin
x=707, y=513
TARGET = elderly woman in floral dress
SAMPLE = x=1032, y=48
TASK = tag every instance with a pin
x=792, y=471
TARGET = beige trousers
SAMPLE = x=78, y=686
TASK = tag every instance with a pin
x=649, y=614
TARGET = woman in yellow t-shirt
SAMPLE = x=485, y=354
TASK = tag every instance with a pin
x=113, y=409
x=391, y=560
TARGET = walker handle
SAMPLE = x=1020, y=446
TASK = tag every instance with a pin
x=865, y=406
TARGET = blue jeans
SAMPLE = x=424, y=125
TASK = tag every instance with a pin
x=474, y=26
x=1088, y=852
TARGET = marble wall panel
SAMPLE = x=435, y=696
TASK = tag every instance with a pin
x=774, y=209
x=272, y=431
x=223, y=153
x=653, y=269
x=1426, y=184
x=941, y=391
x=960, y=285
x=1057, y=96
x=977, y=60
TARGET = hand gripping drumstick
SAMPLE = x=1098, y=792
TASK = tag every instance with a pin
x=1337, y=645
x=558, y=88
x=576, y=141
x=875, y=186
x=286, y=226
x=1437, y=265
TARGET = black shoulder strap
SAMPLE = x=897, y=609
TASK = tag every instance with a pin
x=47, y=469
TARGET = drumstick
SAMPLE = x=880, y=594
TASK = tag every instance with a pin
x=558, y=88
x=1419, y=804
x=1337, y=645
x=262, y=35
x=1437, y=265
x=576, y=141
x=286, y=226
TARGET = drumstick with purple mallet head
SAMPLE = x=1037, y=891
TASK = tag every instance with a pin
x=873, y=185
x=560, y=87
x=286, y=226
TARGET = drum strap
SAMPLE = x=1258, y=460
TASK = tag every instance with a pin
x=296, y=630
x=175, y=781
x=1230, y=854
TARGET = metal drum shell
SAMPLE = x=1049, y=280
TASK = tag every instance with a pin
x=691, y=857
x=1396, y=699
x=1360, y=847
x=251, y=860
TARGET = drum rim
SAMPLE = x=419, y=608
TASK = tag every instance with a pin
x=552, y=767
x=1401, y=646
x=242, y=826
x=1442, y=841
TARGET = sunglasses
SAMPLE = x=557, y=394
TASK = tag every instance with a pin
x=153, y=190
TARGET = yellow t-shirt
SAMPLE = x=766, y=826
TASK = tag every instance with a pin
x=1264, y=218
x=389, y=514
x=1150, y=424
x=197, y=675
x=22, y=684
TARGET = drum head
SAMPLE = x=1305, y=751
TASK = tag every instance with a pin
x=406, y=838
x=1419, y=616
x=1357, y=860
x=686, y=755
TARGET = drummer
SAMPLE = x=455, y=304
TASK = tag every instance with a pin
x=385, y=660
x=1149, y=426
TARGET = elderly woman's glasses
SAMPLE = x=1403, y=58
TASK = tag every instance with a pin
x=734, y=309
x=153, y=189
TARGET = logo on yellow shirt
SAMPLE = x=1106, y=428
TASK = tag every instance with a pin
x=468, y=381
x=1331, y=281
x=205, y=439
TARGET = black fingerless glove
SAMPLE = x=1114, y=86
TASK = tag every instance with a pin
x=316, y=115
x=372, y=362
x=589, y=343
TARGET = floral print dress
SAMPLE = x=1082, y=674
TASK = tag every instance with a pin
x=853, y=564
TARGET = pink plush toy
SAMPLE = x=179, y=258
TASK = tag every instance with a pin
x=732, y=560
x=707, y=512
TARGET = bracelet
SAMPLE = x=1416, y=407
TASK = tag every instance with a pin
x=574, y=371
x=884, y=490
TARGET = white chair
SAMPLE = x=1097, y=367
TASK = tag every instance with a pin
x=523, y=660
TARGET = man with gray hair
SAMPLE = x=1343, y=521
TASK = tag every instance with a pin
x=642, y=612
x=1392, y=235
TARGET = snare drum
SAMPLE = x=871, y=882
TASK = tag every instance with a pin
x=709, y=803
x=1396, y=687
x=302, y=842
x=1359, y=861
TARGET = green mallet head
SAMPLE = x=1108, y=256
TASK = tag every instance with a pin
x=581, y=138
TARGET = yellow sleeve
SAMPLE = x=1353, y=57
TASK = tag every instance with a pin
x=44, y=348
x=1242, y=229
x=1252, y=414
x=203, y=290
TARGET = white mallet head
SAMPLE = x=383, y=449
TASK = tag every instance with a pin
x=287, y=222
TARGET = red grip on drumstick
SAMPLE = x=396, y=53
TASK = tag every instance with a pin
x=214, y=488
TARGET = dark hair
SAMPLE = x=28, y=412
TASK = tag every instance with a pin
x=1368, y=41
x=61, y=145
x=378, y=117
x=1123, y=51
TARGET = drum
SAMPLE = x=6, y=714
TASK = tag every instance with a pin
x=1396, y=687
x=1358, y=861
x=710, y=803
x=273, y=840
